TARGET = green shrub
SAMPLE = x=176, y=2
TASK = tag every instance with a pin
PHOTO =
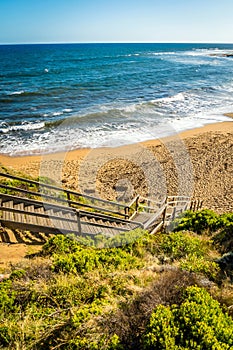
x=60, y=244
x=181, y=244
x=223, y=239
x=7, y=296
x=198, y=323
x=225, y=221
x=87, y=259
x=123, y=239
x=200, y=265
x=199, y=221
x=70, y=243
x=204, y=220
x=161, y=332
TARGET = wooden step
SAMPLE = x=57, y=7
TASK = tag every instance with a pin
x=19, y=216
x=39, y=209
x=7, y=215
x=8, y=204
x=29, y=208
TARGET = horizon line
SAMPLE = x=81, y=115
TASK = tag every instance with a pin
x=114, y=42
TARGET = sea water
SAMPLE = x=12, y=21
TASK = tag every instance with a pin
x=56, y=97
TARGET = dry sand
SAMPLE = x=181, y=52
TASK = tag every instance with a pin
x=196, y=162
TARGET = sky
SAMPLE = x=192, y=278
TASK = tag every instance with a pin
x=78, y=21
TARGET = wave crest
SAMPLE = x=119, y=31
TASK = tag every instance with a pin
x=6, y=128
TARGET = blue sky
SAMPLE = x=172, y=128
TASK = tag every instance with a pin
x=29, y=21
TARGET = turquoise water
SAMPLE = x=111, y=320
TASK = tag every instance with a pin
x=67, y=96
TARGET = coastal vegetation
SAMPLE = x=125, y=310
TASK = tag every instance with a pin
x=172, y=290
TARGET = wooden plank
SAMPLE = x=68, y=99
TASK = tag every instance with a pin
x=38, y=218
x=29, y=218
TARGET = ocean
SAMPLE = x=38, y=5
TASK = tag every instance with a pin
x=56, y=97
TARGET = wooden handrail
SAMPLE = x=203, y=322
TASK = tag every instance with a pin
x=133, y=201
x=41, y=184
x=38, y=203
x=41, y=215
x=62, y=200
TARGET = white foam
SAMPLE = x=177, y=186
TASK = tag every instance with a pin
x=56, y=114
x=67, y=110
x=24, y=126
x=212, y=51
x=130, y=108
x=178, y=97
x=16, y=93
x=110, y=134
x=164, y=53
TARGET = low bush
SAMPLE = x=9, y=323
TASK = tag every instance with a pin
x=181, y=244
x=197, y=323
x=223, y=238
x=87, y=259
x=60, y=244
x=204, y=221
x=200, y=265
x=200, y=221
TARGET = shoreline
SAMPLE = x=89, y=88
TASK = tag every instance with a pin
x=11, y=160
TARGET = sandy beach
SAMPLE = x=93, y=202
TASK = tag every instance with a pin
x=196, y=162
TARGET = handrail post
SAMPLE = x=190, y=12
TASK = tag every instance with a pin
x=69, y=199
x=79, y=223
x=126, y=213
x=174, y=214
x=165, y=212
x=137, y=203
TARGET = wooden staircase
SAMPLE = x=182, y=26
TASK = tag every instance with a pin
x=64, y=211
x=35, y=216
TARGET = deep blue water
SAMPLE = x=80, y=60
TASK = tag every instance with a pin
x=66, y=96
